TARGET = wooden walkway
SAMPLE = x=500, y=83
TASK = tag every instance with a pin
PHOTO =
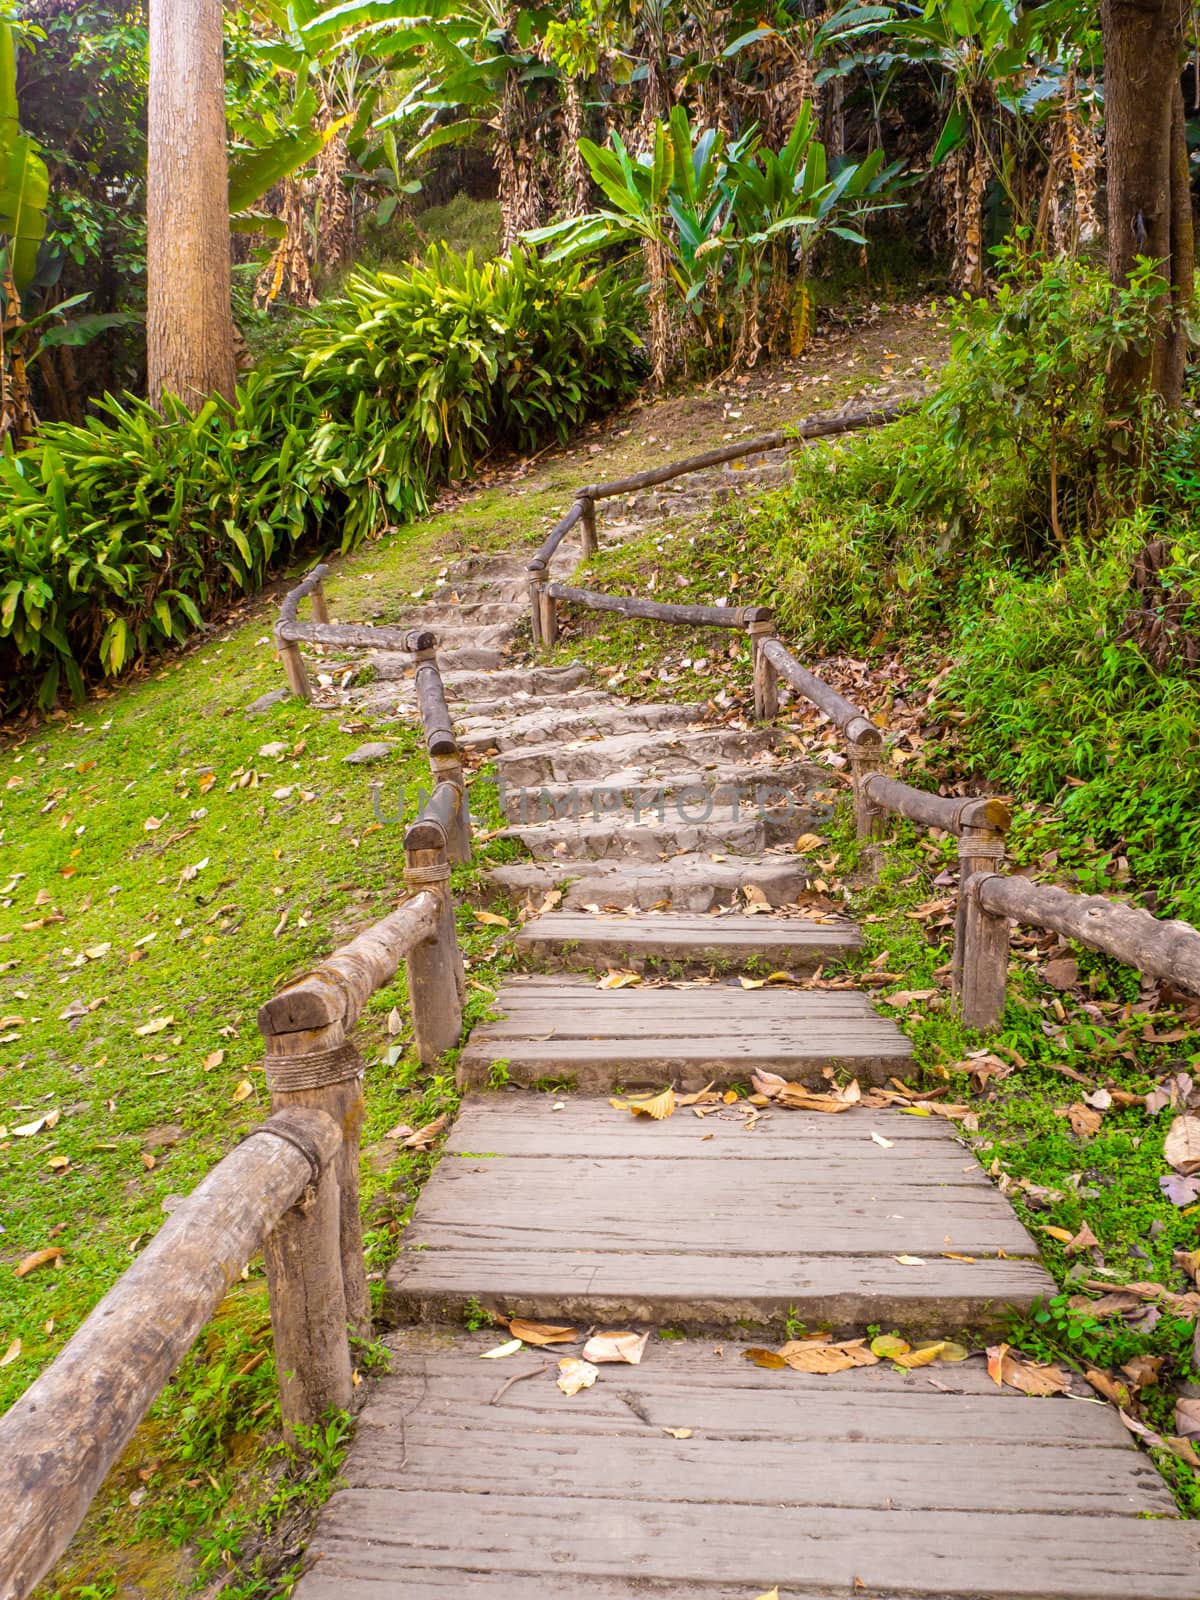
x=695, y=1473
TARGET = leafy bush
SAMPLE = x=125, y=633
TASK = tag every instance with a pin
x=117, y=537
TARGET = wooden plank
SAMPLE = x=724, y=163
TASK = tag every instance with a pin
x=952, y=1474
x=528, y=1536
x=758, y=1288
x=783, y=941
x=684, y=1205
x=513, y=1122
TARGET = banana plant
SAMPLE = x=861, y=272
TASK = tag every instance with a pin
x=24, y=181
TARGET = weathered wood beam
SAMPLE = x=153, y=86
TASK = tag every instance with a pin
x=59, y=1440
x=851, y=721
x=660, y=610
x=1163, y=949
x=935, y=810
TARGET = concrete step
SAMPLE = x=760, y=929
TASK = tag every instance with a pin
x=691, y=795
x=672, y=753
x=692, y=883
x=644, y=836
x=563, y=1030
x=390, y=666
x=585, y=941
x=542, y=728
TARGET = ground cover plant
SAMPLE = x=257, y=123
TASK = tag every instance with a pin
x=118, y=536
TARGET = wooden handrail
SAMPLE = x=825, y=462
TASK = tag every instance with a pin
x=809, y=428
x=556, y=536
x=61, y=1438
x=935, y=810
x=660, y=610
x=847, y=717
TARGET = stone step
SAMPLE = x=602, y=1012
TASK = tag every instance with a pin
x=521, y=704
x=692, y=883
x=753, y=785
x=590, y=942
x=565, y=1208
x=542, y=728
x=641, y=835
x=391, y=665
x=673, y=752
x=560, y=1029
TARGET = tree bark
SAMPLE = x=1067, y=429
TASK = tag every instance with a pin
x=1149, y=205
x=189, y=323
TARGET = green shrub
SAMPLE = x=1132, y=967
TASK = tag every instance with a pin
x=116, y=537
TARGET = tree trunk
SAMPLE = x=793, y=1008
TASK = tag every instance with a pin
x=1149, y=205
x=189, y=322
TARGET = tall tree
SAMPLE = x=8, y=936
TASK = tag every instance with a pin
x=189, y=324
x=1149, y=204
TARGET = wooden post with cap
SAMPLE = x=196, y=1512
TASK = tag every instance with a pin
x=766, y=675
x=436, y=982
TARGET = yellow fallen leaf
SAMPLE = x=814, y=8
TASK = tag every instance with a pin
x=771, y=1594
x=679, y=1433
x=657, y=1106
x=765, y=1358
x=730, y=1097
x=808, y=841
x=952, y=1351
x=953, y=1255
x=59, y=1163
x=616, y=979
x=884, y=1144
x=243, y=1091
x=540, y=1333
x=157, y=1025
x=213, y=1059
x=752, y=983
x=809, y=1355
x=924, y=1356
x=1063, y=1235
x=501, y=1350
x=888, y=1346
x=911, y=1261
x=11, y=1354
x=574, y=1375
x=492, y=918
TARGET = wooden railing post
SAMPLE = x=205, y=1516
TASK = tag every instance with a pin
x=303, y=1259
x=866, y=758
x=983, y=970
x=310, y=1061
x=320, y=605
x=537, y=581
x=436, y=983
x=766, y=675
x=293, y=666
x=587, y=523
x=449, y=769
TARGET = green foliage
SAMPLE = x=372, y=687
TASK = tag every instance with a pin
x=720, y=221
x=117, y=536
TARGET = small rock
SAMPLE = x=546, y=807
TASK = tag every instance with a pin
x=263, y=704
x=284, y=793
x=273, y=751
x=367, y=753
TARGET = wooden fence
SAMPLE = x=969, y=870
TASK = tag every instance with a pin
x=989, y=902
x=289, y=1189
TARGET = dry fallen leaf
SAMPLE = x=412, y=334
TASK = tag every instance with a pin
x=884, y=1144
x=615, y=979
x=657, y=1106
x=491, y=918
x=39, y=1258
x=243, y=1091
x=628, y=1347
x=890, y=1345
x=11, y=1354
x=809, y=1355
x=1027, y=1376
x=1187, y=1418
x=424, y=1137
x=1085, y=1239
x=501, y=1350
x=158, y=1025
x=1063, y=1235
x=1084, y=1121
x=541, y=1333
x=923, y=1356
x=1182, y=1144
x=213, y=1059
x=765, y=1358
x=679, y=1433
x=911, y=1261
x=574, y=1375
